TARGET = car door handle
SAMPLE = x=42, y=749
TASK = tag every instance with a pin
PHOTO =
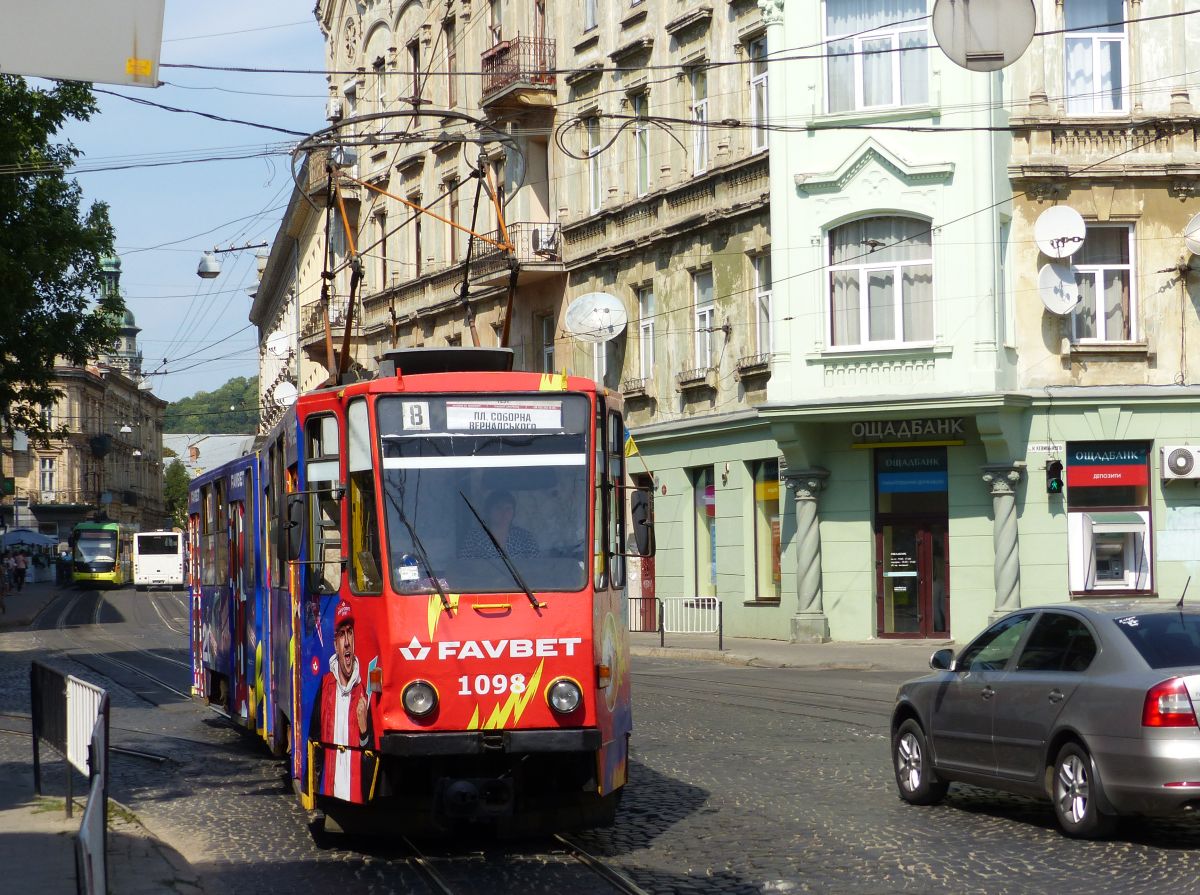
x=1056, y=696
x=987, y=692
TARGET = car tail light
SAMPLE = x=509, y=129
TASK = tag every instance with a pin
x=1168, y=705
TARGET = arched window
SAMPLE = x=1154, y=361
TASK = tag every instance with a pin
x=880, y=283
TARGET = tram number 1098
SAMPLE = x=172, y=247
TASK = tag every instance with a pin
x=484, y=684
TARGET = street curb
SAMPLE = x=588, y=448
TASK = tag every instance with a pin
x=725, y=658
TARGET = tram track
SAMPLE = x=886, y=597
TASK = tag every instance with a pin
x=438, y=871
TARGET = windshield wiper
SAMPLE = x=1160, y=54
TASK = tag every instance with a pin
x=533, y=601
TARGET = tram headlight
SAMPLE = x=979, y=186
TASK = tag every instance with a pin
x=420, y=698
x=564, y=696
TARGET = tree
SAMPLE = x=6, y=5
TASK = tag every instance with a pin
x=230, y=410
x=50, y=252
x=175, y=492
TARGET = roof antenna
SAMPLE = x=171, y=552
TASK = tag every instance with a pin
x=1179, y=605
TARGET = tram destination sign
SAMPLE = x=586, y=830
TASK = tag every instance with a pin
x=504, y=416
x=891, y=431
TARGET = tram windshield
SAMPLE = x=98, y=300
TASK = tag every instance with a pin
x=96, y=547
x=456, y=467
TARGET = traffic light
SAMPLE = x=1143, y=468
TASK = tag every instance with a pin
x=1054, y=481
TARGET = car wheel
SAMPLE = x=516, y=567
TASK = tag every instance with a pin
x=915, y=777
x=1077, y=795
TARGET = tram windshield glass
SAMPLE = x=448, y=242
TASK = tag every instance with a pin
x=98, y=549
x=455, y=466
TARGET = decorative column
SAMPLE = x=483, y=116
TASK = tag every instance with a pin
x=1003, y=479
x=1181, y=102
x=1135, y=52
x=1039, y=104
x=809, y=624
x=772, y=14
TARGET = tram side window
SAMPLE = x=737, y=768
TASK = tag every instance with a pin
x=616, y=516
x=270, y=518
x=600, y=526
x=365, y=576
x=325, y=510
x=208, y=569
x=248, y=541
x=221, y=560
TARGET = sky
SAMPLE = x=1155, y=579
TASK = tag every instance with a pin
x=166, y=216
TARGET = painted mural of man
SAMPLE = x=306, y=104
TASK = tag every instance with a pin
x=341, y=716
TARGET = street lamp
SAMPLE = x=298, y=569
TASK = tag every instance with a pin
x=210, y=264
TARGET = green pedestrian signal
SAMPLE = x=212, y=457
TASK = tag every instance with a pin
x=1054, y=481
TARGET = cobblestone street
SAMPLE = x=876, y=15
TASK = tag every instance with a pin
x=745, y=780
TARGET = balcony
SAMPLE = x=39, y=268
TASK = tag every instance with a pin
x=638, y=389
x=753, y=366
x=519, y=72
x=537, y=248
x=697, y=380
x=312, y=321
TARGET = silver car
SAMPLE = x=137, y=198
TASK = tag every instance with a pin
x=1092, y=705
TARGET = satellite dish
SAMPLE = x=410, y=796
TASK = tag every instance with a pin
x=986, y=35
x=286, y=394
x=595, y=317
x=277, y=344
x=1058, y=288
x=1191, y=234
x=1059, y=231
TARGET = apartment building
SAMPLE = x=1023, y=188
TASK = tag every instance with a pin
x=628, y=147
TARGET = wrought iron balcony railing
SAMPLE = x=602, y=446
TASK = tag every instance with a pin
x=522, y=60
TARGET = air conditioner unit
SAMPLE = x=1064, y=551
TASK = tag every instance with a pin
x=1180, y=462
x=333, y=110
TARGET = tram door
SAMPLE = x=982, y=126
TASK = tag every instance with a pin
x=236, y=570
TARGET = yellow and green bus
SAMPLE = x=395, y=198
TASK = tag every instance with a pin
x=102, y=552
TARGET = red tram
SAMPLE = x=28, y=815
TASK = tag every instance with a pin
x=421, y=595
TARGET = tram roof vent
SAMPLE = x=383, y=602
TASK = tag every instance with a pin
x=452, y=359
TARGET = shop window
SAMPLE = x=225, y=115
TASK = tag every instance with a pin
x=705, y=515
x=1108, y=517
x=767, y=517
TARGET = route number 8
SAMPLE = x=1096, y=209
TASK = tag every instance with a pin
x=416, y=415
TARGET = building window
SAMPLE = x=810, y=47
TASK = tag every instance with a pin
x=880, y=283
x=1103, y=266
x=705, y=515
x=46, y=477
x=705, y=316
x=641, y=142
x=47, y=414
x=414, y=64
x=452, y=232
x=699, y=80
x=645, y=301
x=595, y=199
x=1108, y=517
x=544, y=330
x=767, y=516
x=449, y=37
x=591, y=15
x=381, y=249
x=495, y=25
x=380, y=86
x=875, y=54
x=417, y=222
x=758, y=94
x=1095, y=62
x=762, y=301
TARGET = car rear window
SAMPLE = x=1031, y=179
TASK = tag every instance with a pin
x=1165, y=639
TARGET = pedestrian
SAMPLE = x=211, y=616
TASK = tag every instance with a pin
x=20, y=566
x=3, y=583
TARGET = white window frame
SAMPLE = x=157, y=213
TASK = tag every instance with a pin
x=591, y=15
x=546, y=336
x=895, y=35
x=757, y=51
x=645, y=303
x=763, y=296
x=704, y=316
x=641, y=143
x=1097, y=272
x=46, y=467
x=380, y=88
x=696, y=77
x=865, y=269
x=595, y=179
x=1092, y=96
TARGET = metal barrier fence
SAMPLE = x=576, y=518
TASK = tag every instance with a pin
x=71, y=716
x=678, y=615
x=91, y=846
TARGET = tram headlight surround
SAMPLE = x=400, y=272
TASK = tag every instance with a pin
x=564, y=696
x=420, y=698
